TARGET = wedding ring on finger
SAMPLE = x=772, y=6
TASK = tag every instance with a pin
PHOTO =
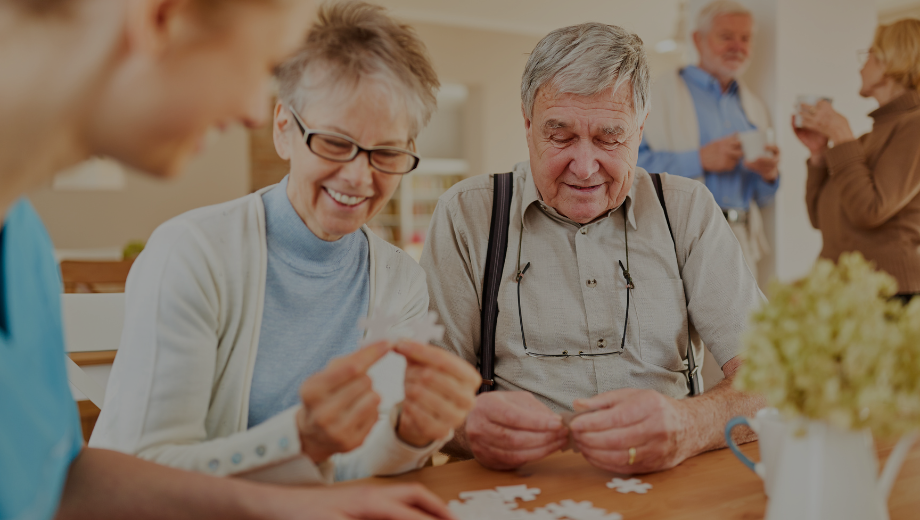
x=632, y=457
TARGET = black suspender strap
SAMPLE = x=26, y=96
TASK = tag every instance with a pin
x=693, y=376
x=495, y=263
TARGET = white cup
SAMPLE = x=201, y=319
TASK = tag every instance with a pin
x=754, y=143
x=770, y=428
x=806, y=99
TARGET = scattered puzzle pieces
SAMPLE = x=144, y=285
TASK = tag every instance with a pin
x=581, y=511
x=522, y=492
x=481, y=504
x=501, y=504
x=632, y=485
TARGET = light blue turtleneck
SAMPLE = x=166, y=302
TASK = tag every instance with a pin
x=315, y=292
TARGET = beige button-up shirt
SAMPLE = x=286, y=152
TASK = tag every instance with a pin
x=574, y=295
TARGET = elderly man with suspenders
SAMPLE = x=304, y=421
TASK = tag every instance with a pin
x=581, y=283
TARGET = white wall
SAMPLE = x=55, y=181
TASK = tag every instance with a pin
x=88, y=219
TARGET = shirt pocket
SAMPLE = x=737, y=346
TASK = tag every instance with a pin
x=662, y=312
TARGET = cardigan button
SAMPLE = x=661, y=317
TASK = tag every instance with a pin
x=213, y=464
x=237, y=458
x=283, y=443
x=260, y=450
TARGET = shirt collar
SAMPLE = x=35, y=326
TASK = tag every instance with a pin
x=897, y=106
x=707, y=81
x=531, y=196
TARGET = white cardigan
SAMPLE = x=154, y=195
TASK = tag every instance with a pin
x=179, y=390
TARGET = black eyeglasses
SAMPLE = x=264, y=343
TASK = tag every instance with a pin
x=341, y=148
x=565, y=353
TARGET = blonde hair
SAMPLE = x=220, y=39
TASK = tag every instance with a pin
x=352, y=42
x=897, y=46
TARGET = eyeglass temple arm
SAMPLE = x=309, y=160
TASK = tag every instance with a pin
x=518, y=278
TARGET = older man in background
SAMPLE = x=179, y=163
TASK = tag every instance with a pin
x=600, y=297
x=699, y=112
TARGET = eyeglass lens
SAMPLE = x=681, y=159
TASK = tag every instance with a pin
x=390, y=160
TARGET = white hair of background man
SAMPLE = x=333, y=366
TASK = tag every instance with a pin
x=718, y=8
x=586, y=60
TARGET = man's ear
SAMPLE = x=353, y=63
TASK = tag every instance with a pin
x=152, y=23
x=281, y=125
x=527, y=122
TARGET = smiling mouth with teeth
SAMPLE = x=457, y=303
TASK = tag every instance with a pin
x=344, y=199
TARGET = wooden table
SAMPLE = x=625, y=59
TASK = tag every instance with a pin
x=713, y=485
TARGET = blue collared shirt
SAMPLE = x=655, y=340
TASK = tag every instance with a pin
x=719, y=114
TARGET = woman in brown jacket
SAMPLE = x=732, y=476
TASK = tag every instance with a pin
x=862, y=193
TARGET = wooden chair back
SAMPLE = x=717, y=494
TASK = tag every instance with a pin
x=95, y=276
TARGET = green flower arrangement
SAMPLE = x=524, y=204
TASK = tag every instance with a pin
x=835, y=347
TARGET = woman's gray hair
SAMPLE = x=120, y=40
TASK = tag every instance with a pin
x=717, y=8
x=586, y=60
x=353, y=42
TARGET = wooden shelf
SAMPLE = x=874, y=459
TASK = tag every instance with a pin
x=100, y=357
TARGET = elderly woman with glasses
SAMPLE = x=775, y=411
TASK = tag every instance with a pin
x=862, y=193
x=240, y=353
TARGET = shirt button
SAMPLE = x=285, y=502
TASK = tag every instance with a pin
x=213, y=464
x=260, y=450
x=601, y=343
x=591, y=283
x=237, y=458
x=583, y=231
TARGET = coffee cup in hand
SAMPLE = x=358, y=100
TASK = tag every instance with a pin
x=754, y=143
x=806, y=99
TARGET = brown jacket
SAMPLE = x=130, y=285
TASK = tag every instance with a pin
x=866, y=198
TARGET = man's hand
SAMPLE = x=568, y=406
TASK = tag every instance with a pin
x=399, y=502
x=339, y=404
x=440, y=392
x=766, y=166
x=722, y=155
x=645, y=420
x=506, y=430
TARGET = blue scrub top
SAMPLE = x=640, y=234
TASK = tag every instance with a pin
x=40, y=430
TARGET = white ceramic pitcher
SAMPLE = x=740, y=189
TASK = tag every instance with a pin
x=770, y=428
x=825, y=473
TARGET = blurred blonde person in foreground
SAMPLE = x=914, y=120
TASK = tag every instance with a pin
x=231, y=307
x=140, y=81
x=862, y=192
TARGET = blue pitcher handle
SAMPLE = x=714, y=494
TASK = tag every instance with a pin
x=737, y=421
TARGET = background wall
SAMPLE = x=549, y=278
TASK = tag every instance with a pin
x=89, y=219
x=802, y=46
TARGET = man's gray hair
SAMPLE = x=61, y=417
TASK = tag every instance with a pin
x=586, y=60
x=717, y=8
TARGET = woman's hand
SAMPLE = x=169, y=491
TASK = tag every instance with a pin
x=440, y=392
x=815, y=141
x=823, y=119
x=339, y=404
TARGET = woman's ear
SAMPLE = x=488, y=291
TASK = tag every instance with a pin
x=151, y=24
x=281, y=125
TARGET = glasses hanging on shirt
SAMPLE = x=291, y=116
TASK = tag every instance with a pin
x=519, y=277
